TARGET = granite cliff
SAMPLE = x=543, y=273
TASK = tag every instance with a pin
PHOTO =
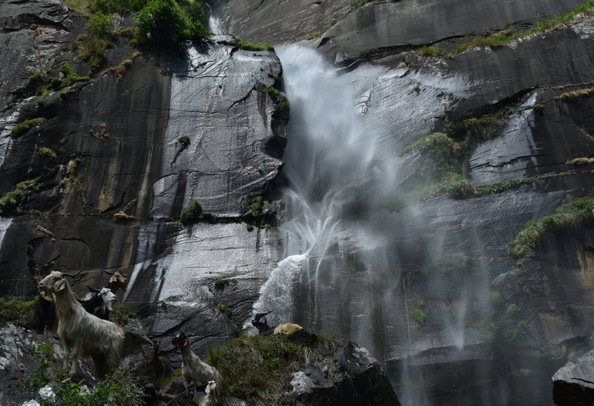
x=101, y=174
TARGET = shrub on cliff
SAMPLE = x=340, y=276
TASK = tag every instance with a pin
x=191, y=214
x=164, y=23
x=275, y=358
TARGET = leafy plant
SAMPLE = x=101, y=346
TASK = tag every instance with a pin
x=255, y=368
x=22, y=127
x=184, y=140
x=99, y=24
x=224, y=309
x=91, y=49
x=119, y=387
x=254, y=46
x=191, y=214
x=120, y=315
x=211, y=218
x=566, y=217
x=164, y=23
x=221, y=283
x=418, y=314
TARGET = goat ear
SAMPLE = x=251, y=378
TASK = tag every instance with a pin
x=60, y=285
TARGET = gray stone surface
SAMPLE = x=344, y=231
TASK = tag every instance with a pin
x=219, y=100
x=573, y=384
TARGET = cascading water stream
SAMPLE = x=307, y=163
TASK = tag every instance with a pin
x=329, y=155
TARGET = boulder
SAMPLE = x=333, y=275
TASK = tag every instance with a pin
x=573, y=384
x=351, y=376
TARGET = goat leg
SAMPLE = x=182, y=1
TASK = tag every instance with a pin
x=72, y=372
x=66, y=355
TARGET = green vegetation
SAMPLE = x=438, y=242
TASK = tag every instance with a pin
x=224, y=309
x=254, y=46
x=359, y=3
x=221, y=283
x=165, y=381
x=257, y=206
x=257, y=369
x=165, y=23
x=273, y=93
x=119, y=387
x=191, y=214
x=121, y=68
x=433, y=51
x=99, y=24
x=418, y=314
x=17, y=312
x=184, y=140
x=580, y=161
x=120, y=315
x=46, y=152
x=23, y=127
x=10, y=201
x=566, y=217
x=506, y=35
x=116, y=6
x=516, y=333
x=90, y=49
x=441, y=172
x=209, y=217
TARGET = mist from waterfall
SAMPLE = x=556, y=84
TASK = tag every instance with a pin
x=330, y=155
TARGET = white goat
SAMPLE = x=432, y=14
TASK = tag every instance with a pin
x=195, y=371
x=211, y=395
x=83, y=334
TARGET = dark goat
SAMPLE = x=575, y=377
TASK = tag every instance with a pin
x=45, y=315
x=162, y=366
x=262, y=326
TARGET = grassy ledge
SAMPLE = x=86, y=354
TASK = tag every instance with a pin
x=506, y=35
x=257, y=369
x=567, y=216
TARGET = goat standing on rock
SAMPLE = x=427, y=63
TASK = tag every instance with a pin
x=195, y=371
x=82, y=333
x=163, y=368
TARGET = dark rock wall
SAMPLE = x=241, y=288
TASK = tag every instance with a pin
x=108, y=194
x=470, y=349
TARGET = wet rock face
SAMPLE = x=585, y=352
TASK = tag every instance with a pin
x=106, y=176
x=278, y=22
x=431, y=323
x=573, y=384
x=378, y=26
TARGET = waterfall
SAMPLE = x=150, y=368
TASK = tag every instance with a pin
x=329, y=157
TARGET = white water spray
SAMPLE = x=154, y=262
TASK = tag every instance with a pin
x=330, y=154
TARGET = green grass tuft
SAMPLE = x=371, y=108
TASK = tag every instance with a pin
x=257, y=369
x=191, y=214
x=567, y=216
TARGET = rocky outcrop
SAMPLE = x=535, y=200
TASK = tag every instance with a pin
x=573, y=384
x=17, y=362
x=352, y=376
x=106, y=175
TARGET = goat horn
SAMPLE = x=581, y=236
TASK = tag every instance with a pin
x=72, y=276
x=92, y=289
x=107, y=272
